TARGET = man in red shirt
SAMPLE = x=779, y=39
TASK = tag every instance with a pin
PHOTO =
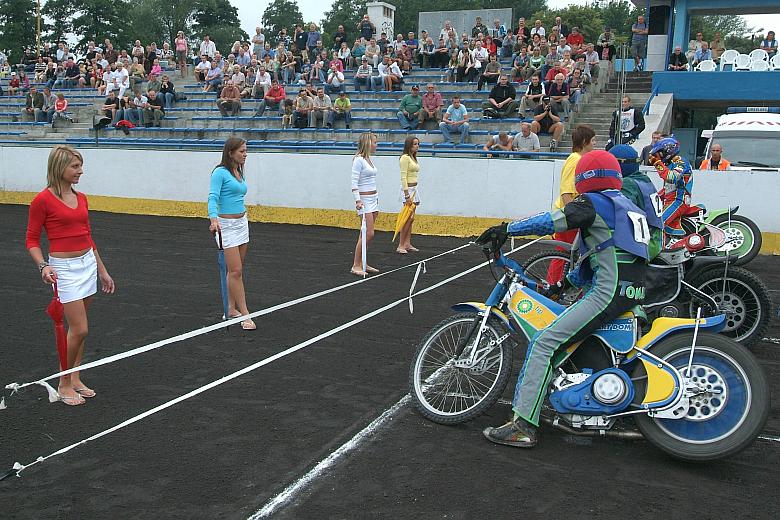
x=273, y=99
x=431, y=104
x=555, y=70
x=575, y=38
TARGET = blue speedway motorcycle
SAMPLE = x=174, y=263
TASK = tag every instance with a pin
x=693, y=393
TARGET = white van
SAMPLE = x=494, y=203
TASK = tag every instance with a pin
x=749, y=137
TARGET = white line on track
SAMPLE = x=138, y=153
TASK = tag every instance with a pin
x=291, y=491
x=772, y=340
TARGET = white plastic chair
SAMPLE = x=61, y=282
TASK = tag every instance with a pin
x=774, y=63
x=759, y=54
x=707, y=66
x=759, y=65
x=742, y=62
x=729, y=57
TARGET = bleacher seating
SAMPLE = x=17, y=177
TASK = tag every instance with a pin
x=196, y=121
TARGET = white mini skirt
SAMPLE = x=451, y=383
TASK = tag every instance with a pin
x=76, y=277
x=370, y=204
x=235, y=231
x=413, y=191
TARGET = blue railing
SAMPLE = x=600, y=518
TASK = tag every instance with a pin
x=646, y=109
x=216, y=144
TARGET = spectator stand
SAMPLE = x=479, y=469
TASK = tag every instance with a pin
x=196, y=119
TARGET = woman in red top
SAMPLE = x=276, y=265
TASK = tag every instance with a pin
x=74, y=262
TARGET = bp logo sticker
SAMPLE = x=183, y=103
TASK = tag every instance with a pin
x=524, y=306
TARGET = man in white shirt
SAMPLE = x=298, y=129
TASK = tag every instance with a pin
x=481, y=55
x=320, y=114
x=100, y=60
x=399, y=43
x=562, y=48
x=258, y=41
x=389, y=74
x=538, y=29
x=525, y=140
x=208, y=47
x=262, y=83
x=445, y=32
x=202, y=68
x=119, y=79
x=592, y=62
x=140, y=102
x=335, y=83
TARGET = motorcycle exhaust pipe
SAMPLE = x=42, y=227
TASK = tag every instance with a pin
x=624, y=435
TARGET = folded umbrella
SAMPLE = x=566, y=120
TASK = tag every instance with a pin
x=222, y=275
x=363, y=242
x=56, y=312
x=403, y=217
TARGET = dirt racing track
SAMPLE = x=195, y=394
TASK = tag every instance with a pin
x=232, y=451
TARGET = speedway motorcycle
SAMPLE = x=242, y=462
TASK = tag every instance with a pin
x=685, y=276
x=691, y=392
x=743, y=237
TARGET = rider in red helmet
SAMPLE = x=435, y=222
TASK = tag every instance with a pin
x=614, y=249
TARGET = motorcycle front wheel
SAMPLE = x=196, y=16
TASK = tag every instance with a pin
x=729, y=412
x=448, y=394
x=744, y=238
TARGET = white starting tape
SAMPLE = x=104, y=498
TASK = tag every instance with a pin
x=18, y=467
x=53, y=396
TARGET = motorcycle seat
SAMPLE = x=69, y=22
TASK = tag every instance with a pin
x=693, y=210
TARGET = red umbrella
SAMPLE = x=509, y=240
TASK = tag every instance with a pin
x=56, y=312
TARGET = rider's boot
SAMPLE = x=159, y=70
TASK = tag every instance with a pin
x=517, y=433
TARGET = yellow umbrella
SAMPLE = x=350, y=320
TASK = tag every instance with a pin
x=404, y=215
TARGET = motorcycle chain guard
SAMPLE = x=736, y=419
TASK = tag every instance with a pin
x=580, y=397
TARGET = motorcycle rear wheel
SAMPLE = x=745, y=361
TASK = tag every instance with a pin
x=446, y=394
x=745, y=237
x=745, y=301
x=538, y=266
x=724, y=419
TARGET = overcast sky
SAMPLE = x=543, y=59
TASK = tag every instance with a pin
x=251, y=11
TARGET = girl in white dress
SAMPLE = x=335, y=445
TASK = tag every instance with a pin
x=366, y=200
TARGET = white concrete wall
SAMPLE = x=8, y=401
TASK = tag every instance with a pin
x=448, y=186
x=454, y=187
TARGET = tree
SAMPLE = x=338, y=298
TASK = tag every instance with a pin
x=176, y=16
x=732, y=29
x=218, y=19
x=279, y=14
x=591, y=19
x=16, y=29
x=159, y=22
x=619, y=16
x=407, y=12
x=343, y=12
x=99, y=19
x=60, y=13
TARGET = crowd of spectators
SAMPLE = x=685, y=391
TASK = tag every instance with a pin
x=557, y=64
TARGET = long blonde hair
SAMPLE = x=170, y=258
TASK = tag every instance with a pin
x=59, y=159
x=364, y=145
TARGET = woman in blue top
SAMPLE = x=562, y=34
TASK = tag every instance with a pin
x=228, y=216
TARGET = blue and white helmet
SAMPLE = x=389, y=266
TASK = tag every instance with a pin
x=666, y=149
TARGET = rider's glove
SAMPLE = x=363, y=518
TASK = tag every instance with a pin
x=497, y=234
x=654, y=160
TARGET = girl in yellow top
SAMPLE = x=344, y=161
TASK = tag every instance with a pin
x=583, y=140
x=409, y=171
